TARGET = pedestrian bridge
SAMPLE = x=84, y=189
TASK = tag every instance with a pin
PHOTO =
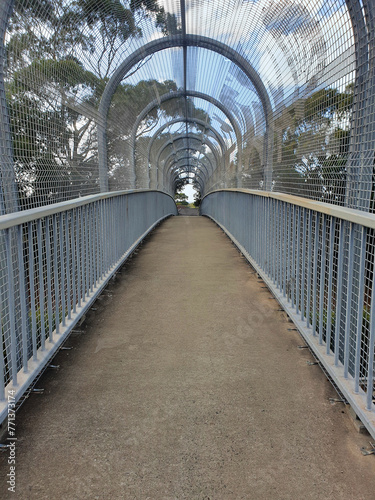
x=108, y=108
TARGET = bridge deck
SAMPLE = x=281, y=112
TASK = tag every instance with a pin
x=187, y=384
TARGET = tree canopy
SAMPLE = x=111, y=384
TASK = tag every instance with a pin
x=311, y=154
x=57, y=70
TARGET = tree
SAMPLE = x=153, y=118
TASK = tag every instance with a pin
x=53, y=142
x=181, y=198
x=197, y=199
x=311, y=159
x=59, y=56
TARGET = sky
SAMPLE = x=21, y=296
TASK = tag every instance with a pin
x=189, y=191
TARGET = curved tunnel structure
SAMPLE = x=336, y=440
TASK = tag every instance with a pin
x=266, y=106
x=279, y=87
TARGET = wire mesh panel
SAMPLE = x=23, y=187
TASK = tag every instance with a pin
x=296, y=77
x=53, y=265
x=273, y=96
x=321, y=272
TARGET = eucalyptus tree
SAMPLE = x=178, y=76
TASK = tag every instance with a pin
x=56, y=71
x=315, y=146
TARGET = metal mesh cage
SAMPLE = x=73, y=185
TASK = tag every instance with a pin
x=293, y=80
x=269, y=97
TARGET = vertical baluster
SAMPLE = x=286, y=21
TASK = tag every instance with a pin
x=293, y=212
x=23, y=299
x=83, y=253
x=70, y=262
x=90, y=261
x=279, y=244
x=287, y=252
x=349, y=299
x=309, y=262
x=111, y=251
x=11, y=302
x=108, y=237
x=56, y=273
x=274, y=240
x=41, y=284
x=361, y=294
x=322, y=280
x=330, y=279
x=78, y=246
x=283, y=248
x=87, y=242
x=49, y=279
x=315, y=273
x=114, y=230
x=101, y=239
x=303, y=280
x=62, y=267
x=339, y=289
x=267, y=241
x=298, y=259
x=96, y=249
x=32, y=290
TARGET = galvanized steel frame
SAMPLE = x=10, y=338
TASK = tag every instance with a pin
x=197, y=176
x=166, y=161
x=190, y=137
x=77, y=246
x=175, y=167
x=286, y=239
x=198, y=161
x=194, y=121
x=184, y=40
x=176, y=95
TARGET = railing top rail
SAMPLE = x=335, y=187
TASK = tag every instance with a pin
x=16, y=218
x=349, y=214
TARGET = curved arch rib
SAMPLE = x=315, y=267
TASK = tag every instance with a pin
x=186, y=120
x=174, y=153
x=194, y=137
x=197, y=178
x=183, y=41
x=175, y=165
x=189, y=93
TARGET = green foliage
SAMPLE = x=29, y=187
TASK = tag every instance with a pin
x=110, y=15
x=68, y=74
x=180, y=183
x=53, y=97
x=57, y=71
x=197, y=199
x=310, y=159
x=146, y=5
x=328, y=102
x=181, y=198
x=40, y=9
x=168, y=23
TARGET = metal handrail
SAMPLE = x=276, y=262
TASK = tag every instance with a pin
x=349, y=214
x=316, y=260
x=54, y=262
x=11, y=220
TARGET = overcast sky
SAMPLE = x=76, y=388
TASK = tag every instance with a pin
x=189, y=191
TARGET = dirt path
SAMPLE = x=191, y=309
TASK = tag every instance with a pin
x=187, y=384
